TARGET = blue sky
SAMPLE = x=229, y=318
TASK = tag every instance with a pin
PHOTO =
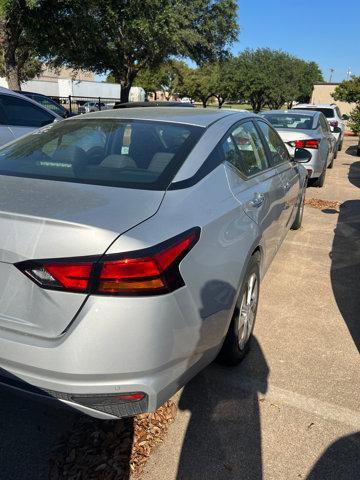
x=326, y=31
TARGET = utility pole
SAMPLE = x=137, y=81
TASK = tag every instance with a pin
x=348, y=74
x=332, y=70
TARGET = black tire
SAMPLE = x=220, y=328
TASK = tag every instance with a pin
x=319, y=182
x=231, y=352
x=358, y=151
x=299, y=214
x=340, y=146
x=331, y=164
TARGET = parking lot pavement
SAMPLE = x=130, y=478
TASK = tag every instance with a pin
x=291, y=410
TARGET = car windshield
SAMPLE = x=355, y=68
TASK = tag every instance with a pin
x=293, y=121
x=127, y=153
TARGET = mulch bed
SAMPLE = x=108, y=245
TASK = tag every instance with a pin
x=322, y=204
x=110, y=450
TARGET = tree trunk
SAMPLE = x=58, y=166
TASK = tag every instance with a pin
x=12, y=78
x=125, y=91
x=204, y=102
x=221, y=101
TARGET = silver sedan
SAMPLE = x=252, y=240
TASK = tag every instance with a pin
x=132, y=246
x=310, y=130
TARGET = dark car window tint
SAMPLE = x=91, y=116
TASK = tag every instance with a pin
x=244, y=150
x=278, y=151
x=328, y=112
x=23, y=113
x=127, y=153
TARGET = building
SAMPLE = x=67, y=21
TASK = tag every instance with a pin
x=322, y=95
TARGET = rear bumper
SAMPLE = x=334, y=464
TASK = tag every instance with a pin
x=115, y=346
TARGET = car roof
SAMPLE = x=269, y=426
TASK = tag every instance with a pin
x=202, y=117
x=310, y=105
x=27, y=99
x=298, y=111
x=154, y=103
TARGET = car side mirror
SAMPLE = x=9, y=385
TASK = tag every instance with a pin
x=345, y=117
x=301, y=155
x=336, y=130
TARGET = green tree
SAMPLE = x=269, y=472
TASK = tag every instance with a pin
x=354, y=122
x=273, y=77
x=198, y=83
x=223, y=80
x=18, y=61
x=308, y=73
x=169, y=78
x=348, y=91
x=126, y=38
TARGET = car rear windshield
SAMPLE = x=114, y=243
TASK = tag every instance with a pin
x=122, y=153
x=328, y=112
x=293, y=121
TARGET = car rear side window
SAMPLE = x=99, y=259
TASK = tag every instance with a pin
x=278, y=151
x=126, y=153
x=244, y=150
x=22, y=113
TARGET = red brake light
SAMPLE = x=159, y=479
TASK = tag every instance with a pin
x=307, y=144
x=150, y=271
x=143, y=273
x=70, y=276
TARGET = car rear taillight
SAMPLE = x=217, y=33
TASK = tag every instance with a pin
x=150, y=271
x=311, y=143
x=334, y=123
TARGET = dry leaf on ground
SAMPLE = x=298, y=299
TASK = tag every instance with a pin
x=110, y=450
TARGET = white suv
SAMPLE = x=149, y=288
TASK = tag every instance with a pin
x=333, y=116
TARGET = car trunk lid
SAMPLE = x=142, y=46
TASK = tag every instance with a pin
x=41, y=219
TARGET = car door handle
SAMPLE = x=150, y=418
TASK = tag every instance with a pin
x=257, y=201
x=287, y=186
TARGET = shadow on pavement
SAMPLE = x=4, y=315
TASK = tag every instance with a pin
x=29, y=430
x=223, y=438
x=345, y=255
x=41, y=439
x=341, y=461
x=352, y=150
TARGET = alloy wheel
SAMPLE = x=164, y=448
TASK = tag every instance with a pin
x=247, y=310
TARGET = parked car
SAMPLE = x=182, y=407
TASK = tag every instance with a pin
x=306, y=129
x=151, y=104
x=132, y=247
x=20, y=115
x=88, y=107
x=333, y=116
x=358, y=148
x=48, y=102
